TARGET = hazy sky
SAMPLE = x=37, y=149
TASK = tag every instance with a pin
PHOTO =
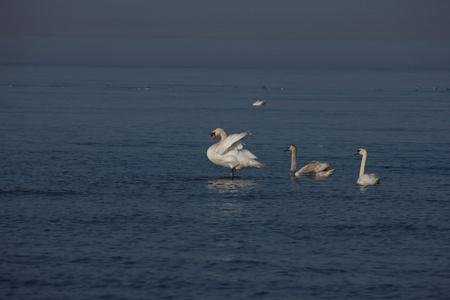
x=247, y=33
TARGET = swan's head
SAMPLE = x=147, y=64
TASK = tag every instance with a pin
x=216, y=132
x=290, y=148
x=361, y=151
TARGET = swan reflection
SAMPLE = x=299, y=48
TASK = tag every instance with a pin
x=362, y=189
x=227, y=185
x=310, y=177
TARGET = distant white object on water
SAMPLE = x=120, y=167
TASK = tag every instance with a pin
x=259, y=102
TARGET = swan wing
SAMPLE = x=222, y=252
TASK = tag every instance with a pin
x=232, y=142
x=368, y=179
x=313, y=167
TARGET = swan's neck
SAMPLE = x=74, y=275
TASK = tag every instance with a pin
x=294, y=160
x=363, y=164
x=223, y=136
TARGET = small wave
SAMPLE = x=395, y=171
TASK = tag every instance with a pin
x=24, y=192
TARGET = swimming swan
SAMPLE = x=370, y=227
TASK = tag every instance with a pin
x=259, y=102
x=229, y=152
x=314, y=168
x=365, y=179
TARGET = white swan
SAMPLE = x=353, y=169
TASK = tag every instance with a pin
x=229, y=152
x=259, y=102
x=314, y=168
x=365, y=179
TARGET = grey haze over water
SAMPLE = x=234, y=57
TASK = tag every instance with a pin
x=338, y=34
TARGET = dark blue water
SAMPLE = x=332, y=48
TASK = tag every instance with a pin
x=106, y=191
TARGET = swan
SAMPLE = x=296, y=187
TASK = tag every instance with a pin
x=229, y=152
x=365, y=179
x=259, y=103
x=314, y=168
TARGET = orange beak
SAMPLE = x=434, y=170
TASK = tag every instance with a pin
x=213, y=135
x=357, y=153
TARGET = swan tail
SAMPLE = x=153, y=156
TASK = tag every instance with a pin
x=326, y=173
x=256, y=164
x=260, y=165
x=250, y=164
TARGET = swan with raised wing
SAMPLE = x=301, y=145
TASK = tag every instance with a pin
x=365, y=179
x=314, y=168
x=229, y=152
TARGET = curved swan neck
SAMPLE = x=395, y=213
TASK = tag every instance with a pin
x=222, y=133
x=294, y=159
x=363, y=163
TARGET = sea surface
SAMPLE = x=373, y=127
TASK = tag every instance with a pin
x=106, y=191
